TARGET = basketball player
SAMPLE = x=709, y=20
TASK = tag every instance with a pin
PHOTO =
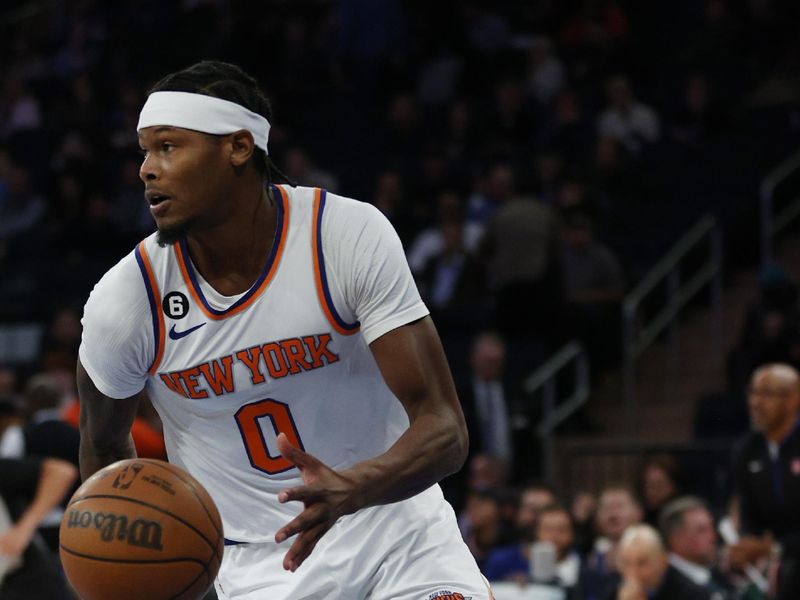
x=297, y=373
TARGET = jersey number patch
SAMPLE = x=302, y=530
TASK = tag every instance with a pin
x=277, y=414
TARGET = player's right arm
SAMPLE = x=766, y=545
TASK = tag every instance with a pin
x=116, y=351
x=105, y=426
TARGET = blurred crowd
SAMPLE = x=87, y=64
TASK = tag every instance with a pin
x=535, y=157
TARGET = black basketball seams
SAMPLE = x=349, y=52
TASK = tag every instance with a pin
x=175, y=470
x=135, y=561
x=156, y=508
x=189, y=484
x=192, y=582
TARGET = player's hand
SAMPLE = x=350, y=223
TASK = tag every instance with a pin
x=327, y=495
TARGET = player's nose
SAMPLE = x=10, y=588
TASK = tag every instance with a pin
x=148, y=171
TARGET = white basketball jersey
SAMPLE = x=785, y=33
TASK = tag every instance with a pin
x=226, y=375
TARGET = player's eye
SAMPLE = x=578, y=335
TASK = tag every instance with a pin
x=166, y=146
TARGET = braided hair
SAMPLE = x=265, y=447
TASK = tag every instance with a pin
x=227, y=82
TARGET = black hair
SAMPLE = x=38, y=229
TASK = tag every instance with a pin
x=227, y=82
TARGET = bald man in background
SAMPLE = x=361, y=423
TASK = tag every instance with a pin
x=646, y=573
x=767, y=472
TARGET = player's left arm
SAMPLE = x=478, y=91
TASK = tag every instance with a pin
x=365, y=259
x=414, y=367
x=413, y=364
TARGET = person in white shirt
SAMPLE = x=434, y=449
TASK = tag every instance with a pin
x=627, y=120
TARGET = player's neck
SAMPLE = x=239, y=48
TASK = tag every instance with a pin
x=231, y=255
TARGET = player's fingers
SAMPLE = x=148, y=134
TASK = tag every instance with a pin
x=303, y=546
x=307, y=519
x=304, y=493
x=295, y=455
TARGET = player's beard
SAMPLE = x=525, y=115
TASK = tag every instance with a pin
x=169, y=235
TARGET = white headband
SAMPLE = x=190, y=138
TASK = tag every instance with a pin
x=202, y=113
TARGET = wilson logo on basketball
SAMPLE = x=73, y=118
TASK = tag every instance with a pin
x=139, y=532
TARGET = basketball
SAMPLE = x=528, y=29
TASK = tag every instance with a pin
x=141, y=528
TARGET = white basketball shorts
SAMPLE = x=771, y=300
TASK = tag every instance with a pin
x=410, y=550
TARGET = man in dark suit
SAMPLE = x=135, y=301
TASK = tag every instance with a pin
x=484, y=401
x=691, y=538
x=486, y=412
x=767, y=472
x=646, y=572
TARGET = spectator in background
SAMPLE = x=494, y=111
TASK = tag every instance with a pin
x=299, y=167
x=533, y=498
x=767, y=475
x=20, y=109
x=31, y=488
x=520, y=251
x=460, y=133
x=595, y=25
x=646, y=572
x=8, y=380
x=12, y=439
x=482, y=473
x=21, y=208
x=511, y=122
x=592, y=274
x=571, y=132
x=770, y=332
x=698, y=118
x=46, y=433
x=487, y=528
x=430, y=241
x=582, y=510
x=687, y=527
x=404, y=133
x=660, y=482
x=594, y=286
x=493, y=190
x=633, y=124
x=617, y=509
x=438, y=76
x=129, y=213
x=485, y=400
x=450, y=282
x=546, y=73
x=371, y=38
x=486, y=473
x=515, y=562
x=61, y=340
x=389, y=197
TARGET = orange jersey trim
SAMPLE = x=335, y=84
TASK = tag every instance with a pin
x=155, y=306
x=320, y=278
x=187, y=271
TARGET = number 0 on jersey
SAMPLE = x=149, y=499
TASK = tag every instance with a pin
x=248, y=417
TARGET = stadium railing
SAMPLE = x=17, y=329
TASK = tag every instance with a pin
x=774, y=218
x=556, y=410
x=640, y=330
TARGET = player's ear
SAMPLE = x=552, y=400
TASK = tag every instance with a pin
x=242, y=147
